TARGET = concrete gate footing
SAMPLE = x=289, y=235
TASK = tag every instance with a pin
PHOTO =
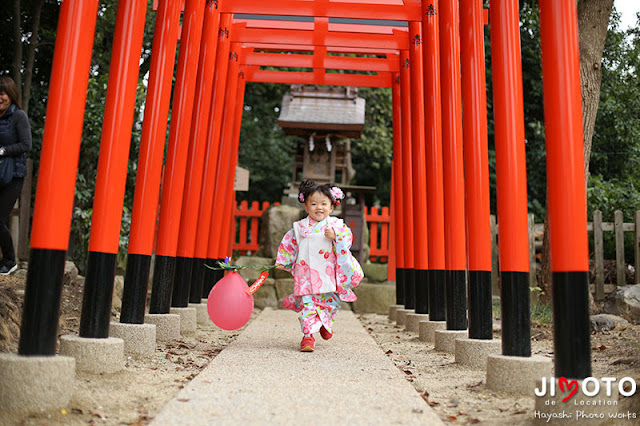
x=427, y=330
x=93, y=355
x=401, y=315
x=167, y=326
x=30, y=384
x=412, y=321
x=445, y=340
x=188, y=323
x=516, y=374
x=202, y=312
x=139, y=339
x=393, y=310
x=474, y=352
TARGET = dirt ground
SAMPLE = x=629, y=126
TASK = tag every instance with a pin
x=136, y=394
x=459, y=394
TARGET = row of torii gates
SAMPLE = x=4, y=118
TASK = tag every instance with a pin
x=436, y=71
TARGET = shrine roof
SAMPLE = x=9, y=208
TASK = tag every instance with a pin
x=306, y=109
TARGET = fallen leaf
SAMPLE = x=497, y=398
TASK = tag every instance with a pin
x=473, y=421
x=99, y=413
x=623, y=361
x=408, y=372
x=603, y=347
x=452, y=418
x=183, y=399
x=388, y=352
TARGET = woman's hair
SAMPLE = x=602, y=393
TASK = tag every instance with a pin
x=309, y=187
x=8, y=86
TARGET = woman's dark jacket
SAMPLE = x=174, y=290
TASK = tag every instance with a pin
x=15, y=137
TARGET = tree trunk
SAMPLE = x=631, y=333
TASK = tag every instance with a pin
x=593, y=21
x=31, y=55
x=16, y=65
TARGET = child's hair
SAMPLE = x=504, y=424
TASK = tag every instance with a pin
x=308, y=187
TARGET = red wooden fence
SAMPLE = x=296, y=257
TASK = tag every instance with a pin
x=378, y=223
x=248, y=218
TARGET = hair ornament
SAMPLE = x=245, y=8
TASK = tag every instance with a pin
x=336, y=194
x=301, y=197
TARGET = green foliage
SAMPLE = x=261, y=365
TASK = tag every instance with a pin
x=542, y=313
x=616, y=140
x=609, y=196
x=264, y=148
x=372, y=154
x=615, y=158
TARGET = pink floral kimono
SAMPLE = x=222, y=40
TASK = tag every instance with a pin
x=324, y=271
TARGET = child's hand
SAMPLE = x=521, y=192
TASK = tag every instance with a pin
x=281, y=267
x=330, y=233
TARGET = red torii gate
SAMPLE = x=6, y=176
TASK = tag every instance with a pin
x=444, y=251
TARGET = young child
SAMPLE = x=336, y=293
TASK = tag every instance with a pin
x=317, y=253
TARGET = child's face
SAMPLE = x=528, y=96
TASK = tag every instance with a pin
x=318, y=206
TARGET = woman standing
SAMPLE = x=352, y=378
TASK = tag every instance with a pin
x=15, y=142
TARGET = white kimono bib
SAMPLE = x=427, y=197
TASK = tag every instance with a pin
x=314, y=270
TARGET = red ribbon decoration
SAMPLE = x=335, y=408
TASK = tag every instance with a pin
x=256, y=285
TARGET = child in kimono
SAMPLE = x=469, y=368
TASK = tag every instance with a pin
x=317, y=253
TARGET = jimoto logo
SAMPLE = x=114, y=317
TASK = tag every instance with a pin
x=591, y=387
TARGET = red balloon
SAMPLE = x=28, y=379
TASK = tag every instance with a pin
x=229, y=305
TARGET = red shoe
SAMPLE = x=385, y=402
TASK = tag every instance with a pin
x=326, y=334
x=308, y=344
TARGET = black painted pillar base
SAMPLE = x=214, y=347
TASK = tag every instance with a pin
x=182, y=282
x=161, y=290
x=136, y=283
x=399, y=286
x=98, y=293
x=516, y=315
x=480, y=306
x=409, y=288
x=571, y=326
x=197, y=279
x=211, y=276
x=422, y=291
x=41, y=307
x=456, y=290
x=436, y=295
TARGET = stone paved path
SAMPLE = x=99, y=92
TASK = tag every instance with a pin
x=262, y=378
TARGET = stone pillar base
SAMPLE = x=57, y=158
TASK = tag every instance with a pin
x=413, y=320
x=188, y=323
x=139, y=339
x=445, y=340
x=167, y=326
x=202, y=314
x=96, y=356
x=29, y=384
x=516, y=374
x=393, y=309
x=401, y=315
x=427, y=330
x=582, y=408
x=474, y=352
